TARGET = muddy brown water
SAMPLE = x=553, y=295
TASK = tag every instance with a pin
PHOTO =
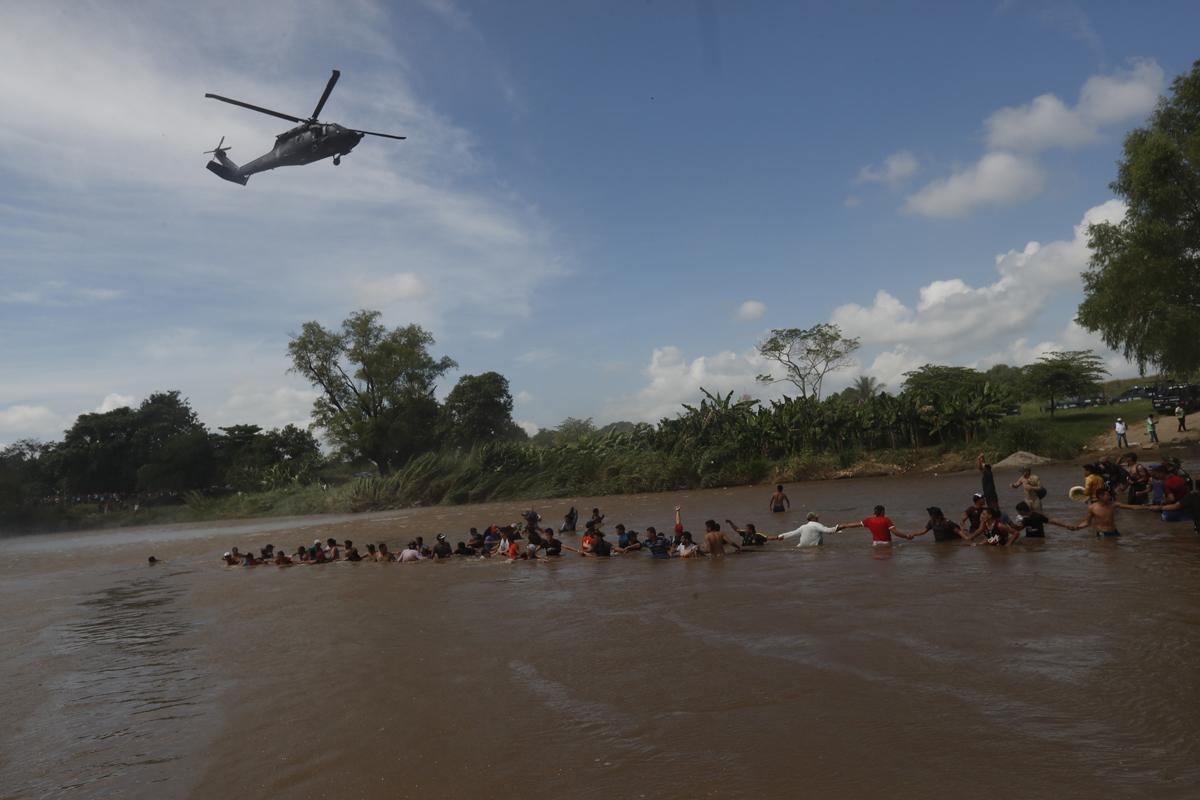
x=1059, y=669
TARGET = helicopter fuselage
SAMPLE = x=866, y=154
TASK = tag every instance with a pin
x=304, y=144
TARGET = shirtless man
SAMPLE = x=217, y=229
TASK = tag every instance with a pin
x=779, y=500
x=1101, y=517
x=715, y=540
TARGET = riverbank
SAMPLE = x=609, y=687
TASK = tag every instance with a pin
x=449, y=479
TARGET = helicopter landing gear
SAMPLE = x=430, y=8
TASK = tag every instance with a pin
x=337, y=160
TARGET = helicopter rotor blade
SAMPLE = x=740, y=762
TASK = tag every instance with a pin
x=259, y=109
x=220, y=148
x=384, y=135
x=333, y=79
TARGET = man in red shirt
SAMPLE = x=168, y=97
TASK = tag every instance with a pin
x=880, y=526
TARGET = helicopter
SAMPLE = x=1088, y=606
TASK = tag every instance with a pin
x=311, y=140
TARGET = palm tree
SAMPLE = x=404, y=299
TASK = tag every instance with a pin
x=865, y=388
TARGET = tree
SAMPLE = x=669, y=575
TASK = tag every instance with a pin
x=376, y=387
x=864, y=388
x=1142, y=290
x=1065, y=374
x=934, y=383
x=479, y=409
x=807, y=355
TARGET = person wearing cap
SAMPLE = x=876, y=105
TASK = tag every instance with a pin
x=811, y=533
x=410, y=553
x=1122, y=429
x=229, y=560
x=970, y=517
x=442, y=548
x=943, y=530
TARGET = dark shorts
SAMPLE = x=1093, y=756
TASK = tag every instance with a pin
x=1035, y=534
x=1107, y=534
x=779, y=509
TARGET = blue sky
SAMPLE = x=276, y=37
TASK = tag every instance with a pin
x=609, y=203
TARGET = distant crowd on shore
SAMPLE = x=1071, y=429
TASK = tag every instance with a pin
x=1165, y=488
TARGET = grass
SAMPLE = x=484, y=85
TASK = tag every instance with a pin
x=512, y=474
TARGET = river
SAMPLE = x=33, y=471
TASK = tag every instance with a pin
x=1056, y=669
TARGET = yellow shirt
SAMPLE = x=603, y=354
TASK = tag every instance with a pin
x=1092, y=484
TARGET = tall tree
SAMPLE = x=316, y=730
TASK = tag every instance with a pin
x=376, y=386
x=1065, y=374
x=807, y=355
x=1142, y=292
x=864, y=388
x=479, y=409
x=933, y=383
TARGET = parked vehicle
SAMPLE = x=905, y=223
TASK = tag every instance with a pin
x=1181, y=394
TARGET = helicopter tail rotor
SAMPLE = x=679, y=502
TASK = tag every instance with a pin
x=218, y=150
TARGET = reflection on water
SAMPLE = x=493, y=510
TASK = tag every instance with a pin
x=127, y=702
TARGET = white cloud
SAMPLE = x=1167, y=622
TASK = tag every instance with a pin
x=113, y=401
x=751, y=309
x=896, y=169
x=673, y=379
x=852, y=201
x=59, y=293
x=24, y=421
x=522, y=397
x=530, y=428
x=391, y=289
x=541, y=357
x=267, y=407
x=950, y=316
x=1104, y=100
x=996, y=179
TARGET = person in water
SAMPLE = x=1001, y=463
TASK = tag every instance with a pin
x=1032, y=485
x=441, y=549
x=973, y=512
x=779, y=500
x=597, y=518
x=994, y=531
x=987, y=481
x=658, y=544
x=550, y=546
x=1185, y=509
x=750, y=535
x=1101, y=517
x=686, y=547
x=811, y=534
x=943, y=530
x=569, y=520
x=880, y=526
x=715, y=540
x=1030, y=521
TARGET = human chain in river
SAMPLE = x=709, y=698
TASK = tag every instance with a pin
x=982, y=523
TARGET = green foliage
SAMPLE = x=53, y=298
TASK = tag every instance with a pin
x=479, y=410
x=1142, y=292
x=807, y=355
x=1064, y=374
x=376, y=387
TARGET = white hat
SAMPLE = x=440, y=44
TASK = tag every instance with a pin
x=227, y=555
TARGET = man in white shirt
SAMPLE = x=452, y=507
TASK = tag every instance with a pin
x=811, y=533
x=1122, y=429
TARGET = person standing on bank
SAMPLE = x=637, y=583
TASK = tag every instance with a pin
x=1181, y=418
x=1151, y=429
x=1122, y=430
